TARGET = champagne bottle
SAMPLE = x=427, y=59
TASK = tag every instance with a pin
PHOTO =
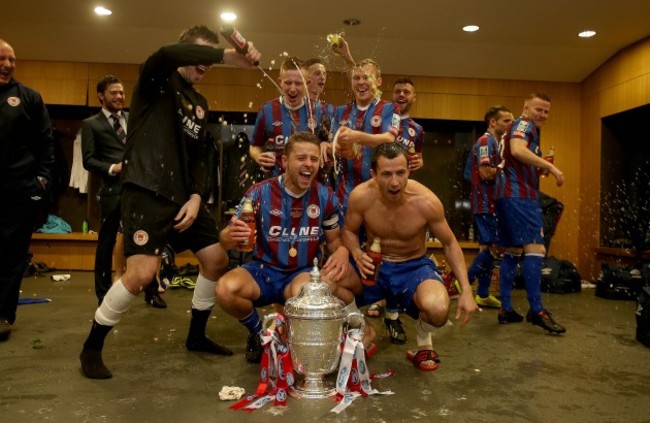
x=375, y=254
x=248, y=216
x=235, y=39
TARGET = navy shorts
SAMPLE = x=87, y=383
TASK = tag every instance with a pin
x=486, y=228
x=271, y=281
x=400, y=281
x=148, y=221
x=519, y=222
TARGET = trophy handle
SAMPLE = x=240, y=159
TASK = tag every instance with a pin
x=269, y=318
x=276, y=323
x=356, y=320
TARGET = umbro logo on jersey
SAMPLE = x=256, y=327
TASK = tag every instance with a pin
x=276, y=212
x=277, y=123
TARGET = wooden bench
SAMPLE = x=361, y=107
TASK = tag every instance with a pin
x=75, y=251
x=470, y=250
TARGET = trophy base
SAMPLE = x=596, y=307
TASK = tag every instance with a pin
x=314, y=388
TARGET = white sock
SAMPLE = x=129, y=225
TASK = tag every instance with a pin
x=114, y=305
x=205, y=295
x=423, y=333
x=391, y=315
x=352, y=307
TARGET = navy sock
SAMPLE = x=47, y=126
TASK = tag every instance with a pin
x=532, y=270
x=391, y=305
x=507, y=279
x=484, y=280
x=482, y=262
x=252, y=322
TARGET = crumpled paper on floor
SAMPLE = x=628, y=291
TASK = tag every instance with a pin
x=229, y=393
x=61, y=277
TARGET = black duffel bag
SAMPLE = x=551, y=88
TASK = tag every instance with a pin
x=619, y=282
x=643, y=317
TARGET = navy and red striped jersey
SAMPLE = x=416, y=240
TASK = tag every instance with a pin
x=517, y=179
x=379, y=117
x=484, y=152
x=275, y=122
x=286, y=222
x=410, y=133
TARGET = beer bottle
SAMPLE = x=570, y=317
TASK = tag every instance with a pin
x=248, y=216
x=550, y=157
x=412, y=154
x=375, y=254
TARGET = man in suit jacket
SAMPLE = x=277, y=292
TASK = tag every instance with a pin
x=103, y=138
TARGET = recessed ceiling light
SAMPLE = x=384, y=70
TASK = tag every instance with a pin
x=586, y=34
x=471, y=28
x=228, y=17
x=351, y=21
x=102, y=11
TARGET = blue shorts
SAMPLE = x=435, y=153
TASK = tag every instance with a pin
x=271, y=281
x=519, y=222
x=399, y=281
x=486, y=228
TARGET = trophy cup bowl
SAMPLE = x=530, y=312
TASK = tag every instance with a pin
x=315, y=323
x=315, y=350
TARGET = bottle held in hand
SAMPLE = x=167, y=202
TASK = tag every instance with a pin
x=550, y=157
x=236, y=40
x=335, y=41
x=375, y=254
x=412, y=154
x=248, y=216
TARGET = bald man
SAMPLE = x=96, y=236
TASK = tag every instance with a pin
x=25, y=175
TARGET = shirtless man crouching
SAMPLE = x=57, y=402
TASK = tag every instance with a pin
x=400, y=211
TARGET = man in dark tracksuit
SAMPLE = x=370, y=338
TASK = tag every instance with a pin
x=26, y=166
x=165, y=183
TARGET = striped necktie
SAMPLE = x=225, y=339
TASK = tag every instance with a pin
x=119, y=130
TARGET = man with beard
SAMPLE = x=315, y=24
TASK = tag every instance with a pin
x=411, y=134
x=103, y=139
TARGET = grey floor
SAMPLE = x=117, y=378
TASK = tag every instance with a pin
x=596, y=372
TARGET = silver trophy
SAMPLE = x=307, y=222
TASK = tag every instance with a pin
x=315, y=322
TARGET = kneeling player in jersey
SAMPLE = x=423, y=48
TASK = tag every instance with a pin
x=294, y=214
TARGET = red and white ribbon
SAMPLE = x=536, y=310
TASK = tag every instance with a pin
x=353, y=379
x=276, y=372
